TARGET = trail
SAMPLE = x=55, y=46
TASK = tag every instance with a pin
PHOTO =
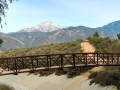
x=86, y=47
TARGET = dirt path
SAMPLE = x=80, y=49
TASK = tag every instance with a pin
x=86, y=47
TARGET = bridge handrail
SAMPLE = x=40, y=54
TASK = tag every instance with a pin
x=60, y=54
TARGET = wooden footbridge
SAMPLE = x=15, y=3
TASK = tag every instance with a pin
x=21, y=64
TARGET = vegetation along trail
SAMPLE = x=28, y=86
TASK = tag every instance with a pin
x=83, y=83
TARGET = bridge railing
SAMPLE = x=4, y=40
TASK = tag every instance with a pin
x=45, y=62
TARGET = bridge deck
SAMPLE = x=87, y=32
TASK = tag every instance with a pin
x=21, y=64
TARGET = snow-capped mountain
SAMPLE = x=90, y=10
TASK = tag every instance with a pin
x=43, y=27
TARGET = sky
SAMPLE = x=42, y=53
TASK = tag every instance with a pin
x=89, y=13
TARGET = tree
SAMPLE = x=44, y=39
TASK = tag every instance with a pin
x=3, y=7
x=96, y=34
x=1, y=41
x=118, y=35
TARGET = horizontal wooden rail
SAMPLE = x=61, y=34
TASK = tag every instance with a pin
x=15, y=65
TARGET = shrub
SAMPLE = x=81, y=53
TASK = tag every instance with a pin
x=46, y=73
x=93, y=74
x=105, y=78
x=60, y=72
x=71, y=73
x=77, y=71
x=6, y=87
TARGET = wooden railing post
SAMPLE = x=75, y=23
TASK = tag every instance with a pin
x=61, y=60
x=103, y=58
x=32, y=65
x=37, y=62
x=108, y=58
x=97, y=59
x=47, y=62
x=86, y=59
x=7, y=65
x=112, y=59
x=117, y=59
x=73, y=59
x=16, y=72
x=23, y=63
x=50, y=61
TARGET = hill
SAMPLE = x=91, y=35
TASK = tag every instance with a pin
x=10, y=42
x=64, y=47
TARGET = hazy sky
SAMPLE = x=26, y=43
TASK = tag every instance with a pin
x=90, y=13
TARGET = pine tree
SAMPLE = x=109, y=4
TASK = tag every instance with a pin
x=118, y=35
x=96, y=34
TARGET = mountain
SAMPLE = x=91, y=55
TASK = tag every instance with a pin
x=112, y=27
x=66, y=34
x=32, y=37
x=10, y=42
x=43, y=27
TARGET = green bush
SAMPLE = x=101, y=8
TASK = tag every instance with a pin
x=105, y=78
x=46, y=73
x=77, y=71
x=71, y=73
x=60, y=72
x=93, y=74
x=6, y=87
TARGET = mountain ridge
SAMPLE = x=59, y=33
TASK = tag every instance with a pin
x=35, y=38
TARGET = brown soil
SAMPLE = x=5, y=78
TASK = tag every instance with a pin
x=87, y=47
